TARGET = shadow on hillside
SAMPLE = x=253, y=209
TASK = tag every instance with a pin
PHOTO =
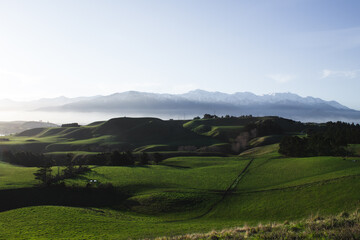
x=134, y=189
x=60, y=196
x=175, y=166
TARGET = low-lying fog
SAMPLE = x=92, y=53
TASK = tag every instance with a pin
x=84, y=118
x=79, y=117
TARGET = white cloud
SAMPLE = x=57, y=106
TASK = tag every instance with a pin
x=281, y=78
x=326, y=73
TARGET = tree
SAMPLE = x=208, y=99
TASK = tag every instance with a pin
x=69, y=169
x=144, y=158
x=209, y=116
x=116, y=159
x=43, y=174
x=294, y=146
x=129, y=158
x=157, y=157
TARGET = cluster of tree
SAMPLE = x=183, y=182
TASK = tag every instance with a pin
x=71, y=170
x=242, y=116
x=343, y=132
x=115, y=158
x=315, y=145
x=31, y=159
x=264, y=128
x=27, y=159
x=210, y=116
x=70, y=125
x=330, y=139
x=127, y=158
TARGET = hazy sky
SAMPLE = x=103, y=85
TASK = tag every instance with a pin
x=82, y=48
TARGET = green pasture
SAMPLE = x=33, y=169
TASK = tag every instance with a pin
x=298, y=202
x=16, y=177
x=296, y=171
x=355, y=149
x=54, y=222
x=189, y=194
x=181, y=173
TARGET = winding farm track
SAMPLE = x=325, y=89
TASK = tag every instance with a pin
x=229, y=190
x=232, y=187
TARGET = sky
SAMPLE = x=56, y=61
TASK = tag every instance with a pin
x=86, y=47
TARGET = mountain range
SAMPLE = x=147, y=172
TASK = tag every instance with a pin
x=197, y=103
x=13, y=127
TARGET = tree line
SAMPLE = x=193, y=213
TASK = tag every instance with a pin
x=331, y=138
x=127, y=158
x=264, y=128
x=214, y=116
x=115, y=158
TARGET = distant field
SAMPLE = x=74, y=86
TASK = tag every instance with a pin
x=355, y=148
x=16, y=177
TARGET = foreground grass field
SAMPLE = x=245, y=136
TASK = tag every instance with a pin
x=343, y=226
x=192, y=194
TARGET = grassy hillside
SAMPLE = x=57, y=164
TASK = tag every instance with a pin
x=16, y=177
x=197, y=194
x=53, y=222
x=342, y=226
x=182, y=194
x=227, y=128
x=116, y=134
x=144, y=134
x=278, y=188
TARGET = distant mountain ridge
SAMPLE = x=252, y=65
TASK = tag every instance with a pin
x=243, y=98
x=200, y=96
x=13, y=127
x=199, y=102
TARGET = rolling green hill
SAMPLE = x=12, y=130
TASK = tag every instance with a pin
x=182, y=194
x=170, y=137
x=194, y=194
x=116, y=134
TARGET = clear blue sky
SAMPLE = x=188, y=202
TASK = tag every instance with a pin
x=83, y=48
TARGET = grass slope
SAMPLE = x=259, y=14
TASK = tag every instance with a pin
x=191, y=194
x=230, y=128
x=343, y=226
x=16, y=177
x=52, y=222
x=114, y=134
